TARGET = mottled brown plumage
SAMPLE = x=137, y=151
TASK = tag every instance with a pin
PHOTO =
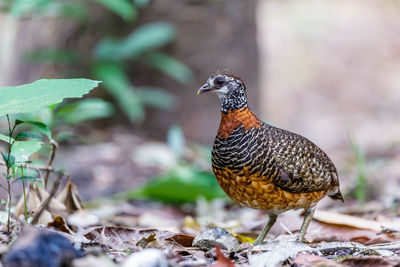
x=264, y=167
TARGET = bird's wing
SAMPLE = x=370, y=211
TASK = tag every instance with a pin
x=302, y=166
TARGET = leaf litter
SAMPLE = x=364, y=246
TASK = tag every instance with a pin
x=130, y=233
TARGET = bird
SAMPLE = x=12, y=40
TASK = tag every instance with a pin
x=262, y=166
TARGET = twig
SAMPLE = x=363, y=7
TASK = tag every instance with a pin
x=47, y=201
x=54, y=147
x=36, y=168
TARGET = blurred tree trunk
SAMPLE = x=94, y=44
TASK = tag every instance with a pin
x=211, y=35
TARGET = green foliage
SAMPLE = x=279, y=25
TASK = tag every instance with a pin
x=360, y=192
x=143, y=39
x=156, y=97
x=57, y=56
x=118, y=85
x=181, y=185
x=22, y=150
x=123, y=8
x=111, y=55
x=29, y=98
x=87, y=109
x=169, y=66
x=41, y=93
x=41, y=127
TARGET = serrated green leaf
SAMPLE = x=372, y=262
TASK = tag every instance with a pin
x=41, y=93
x=144, y=38
x=8, y=159
x=88, y=109
x=123, y=8
x=169, y=66
x=22, y=150
x=26, y=135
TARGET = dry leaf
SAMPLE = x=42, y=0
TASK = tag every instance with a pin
x=371, y=261
x=82, y=219
x=69, y=197
x=34, y=200
x=181, y=239
x=60, y=225
x=120, y=238
x=312, y=260
x=222, y=261
x=353, y=221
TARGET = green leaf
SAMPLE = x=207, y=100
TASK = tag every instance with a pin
x=6, y=139
x=51, y=56
x=22, y=150
x=21, y=7
x=3, y=202
x=27, y=178
x=8, y=177
x=157, y=98
x=144, y=38
x=8, y=159
x=141, y=3
x=73, y=10
x=41, y=127
x=25, y=135
x=123, y=8
x=181, y=185
x=88, y=109
x=41, y=93
x=117, y=84
x=169, y=66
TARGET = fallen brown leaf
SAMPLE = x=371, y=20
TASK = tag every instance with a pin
x=353, y=221
x=312, y=260
x=371, y=261
x=182, y=239
x=69, y=197
x=59, y=224
x=222, y=261
x=120, y=238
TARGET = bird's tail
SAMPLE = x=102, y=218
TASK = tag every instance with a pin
x=335, y=194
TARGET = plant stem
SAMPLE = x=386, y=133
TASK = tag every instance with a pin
x=10, y=131
x=54, y=146
x=23, y=188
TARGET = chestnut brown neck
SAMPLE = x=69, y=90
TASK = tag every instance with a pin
x=235, y=118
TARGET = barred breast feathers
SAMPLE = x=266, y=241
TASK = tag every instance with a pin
x=287, y=159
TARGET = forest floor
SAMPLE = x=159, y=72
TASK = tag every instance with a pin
x=125, y=230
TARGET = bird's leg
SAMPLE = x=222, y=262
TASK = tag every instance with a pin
x=307, y=219
x=264, y=232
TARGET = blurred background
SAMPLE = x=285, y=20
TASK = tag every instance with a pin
x=329, y=70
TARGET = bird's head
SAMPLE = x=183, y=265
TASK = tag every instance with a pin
x=229, y=88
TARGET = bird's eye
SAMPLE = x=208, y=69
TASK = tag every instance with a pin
x=219, y=81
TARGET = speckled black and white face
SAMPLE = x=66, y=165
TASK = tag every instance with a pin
x=229, y=88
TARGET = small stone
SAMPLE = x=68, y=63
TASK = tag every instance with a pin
x=40, y=248
x=147, y=258
x=215, y=237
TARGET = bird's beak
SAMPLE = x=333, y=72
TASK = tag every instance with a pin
x=205, y=88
